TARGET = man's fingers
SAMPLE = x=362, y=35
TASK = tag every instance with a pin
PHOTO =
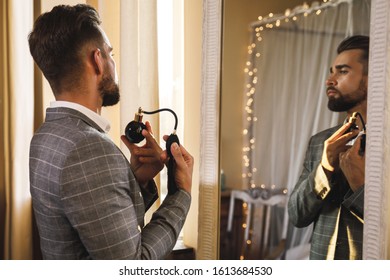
x=149, y=127
x=128, y=144
x=148, y=133
x=175, y=150
x=183, y=155
x=340, y=132
x=150, y=140
x=356, y=146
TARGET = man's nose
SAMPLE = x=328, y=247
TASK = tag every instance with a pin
x=330, y=81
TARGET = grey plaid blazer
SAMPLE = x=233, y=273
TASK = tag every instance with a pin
x=337, y=212
x=86, y=201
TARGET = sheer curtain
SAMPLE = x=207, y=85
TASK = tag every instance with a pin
x=138, y=65
x=286, y=103
x=16, y=127
x=138, y=62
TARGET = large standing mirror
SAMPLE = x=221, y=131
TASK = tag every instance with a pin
x=376, y=194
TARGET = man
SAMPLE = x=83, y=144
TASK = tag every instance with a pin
x=330, y=190
x=89, y=201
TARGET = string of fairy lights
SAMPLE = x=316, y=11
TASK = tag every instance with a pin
x=264, y=23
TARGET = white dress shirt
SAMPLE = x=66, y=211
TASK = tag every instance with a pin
x=99, y=120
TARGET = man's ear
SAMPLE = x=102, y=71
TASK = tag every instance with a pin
x=98, y=61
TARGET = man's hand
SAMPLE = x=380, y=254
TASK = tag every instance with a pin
x=353, y=165
x=184, y=166
x=146, y=161
x=335, y=145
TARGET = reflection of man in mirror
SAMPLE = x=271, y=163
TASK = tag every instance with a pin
x=330, y=190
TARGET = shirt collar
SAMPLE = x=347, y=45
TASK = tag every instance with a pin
x=99, y=120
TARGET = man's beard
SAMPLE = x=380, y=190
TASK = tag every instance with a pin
x=341, y=104
x=109, y=91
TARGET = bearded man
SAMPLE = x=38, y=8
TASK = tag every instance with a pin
x=330, y=190
x=89, y=201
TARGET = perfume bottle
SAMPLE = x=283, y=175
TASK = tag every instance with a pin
x=133, y=130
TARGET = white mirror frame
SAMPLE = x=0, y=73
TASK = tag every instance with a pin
x=209, y=195
x=377, y=213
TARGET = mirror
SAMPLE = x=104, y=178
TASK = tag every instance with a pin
x=375, y=180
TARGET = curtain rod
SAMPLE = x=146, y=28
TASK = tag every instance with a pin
x=298, y=11
x=308, y=31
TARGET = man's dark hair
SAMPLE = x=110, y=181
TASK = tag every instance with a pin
x=360, y=42
x=57, y=41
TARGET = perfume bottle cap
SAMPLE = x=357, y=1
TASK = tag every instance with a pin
x=138, y=117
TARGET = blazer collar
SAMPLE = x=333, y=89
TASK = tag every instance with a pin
x=53, y=114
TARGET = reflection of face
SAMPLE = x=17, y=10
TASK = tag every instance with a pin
x=346, y=84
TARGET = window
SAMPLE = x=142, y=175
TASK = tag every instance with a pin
x=170, y=30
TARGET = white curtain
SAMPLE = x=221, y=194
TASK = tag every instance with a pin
x=139, y=64
x=16, y=122
x=285, y=97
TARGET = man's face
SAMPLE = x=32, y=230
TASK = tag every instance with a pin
x=109, y=89
x=108, y=86
x=347, y=83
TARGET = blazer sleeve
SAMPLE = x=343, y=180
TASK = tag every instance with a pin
x=103, y=202
x=149, y=194
x=305, y=200
x=354, y=202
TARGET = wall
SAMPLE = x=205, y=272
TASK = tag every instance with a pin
x=237, y=17
x=193, y=13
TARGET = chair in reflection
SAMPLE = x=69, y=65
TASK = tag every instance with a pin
x=265, y=200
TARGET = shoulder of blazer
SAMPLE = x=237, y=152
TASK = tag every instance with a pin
x=53, y=114
x=325, y=134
